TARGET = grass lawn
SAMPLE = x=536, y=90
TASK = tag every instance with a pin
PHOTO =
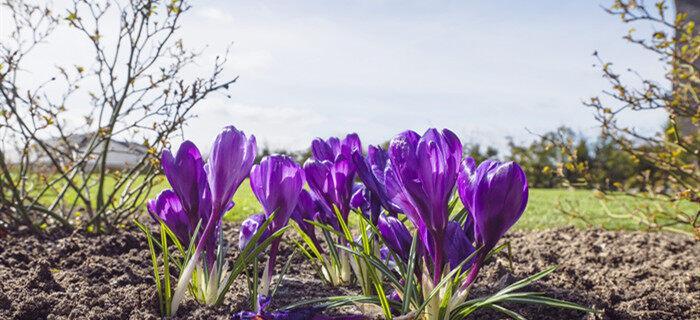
x=543, y=210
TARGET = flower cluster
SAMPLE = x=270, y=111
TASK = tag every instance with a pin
x=430, y=263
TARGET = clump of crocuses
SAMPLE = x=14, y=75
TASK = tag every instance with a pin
x=192, y=212
x=419, y=179
x=330, y=174
x=408, y=232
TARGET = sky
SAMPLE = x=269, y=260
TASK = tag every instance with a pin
x=485, y=69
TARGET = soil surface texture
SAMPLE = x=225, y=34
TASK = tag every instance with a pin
x=623, y=275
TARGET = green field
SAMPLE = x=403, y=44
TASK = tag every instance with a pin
x=544, y=209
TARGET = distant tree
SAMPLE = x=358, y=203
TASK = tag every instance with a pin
x=474, y=150
x=667, y=161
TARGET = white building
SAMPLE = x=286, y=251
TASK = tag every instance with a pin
x=121, y=154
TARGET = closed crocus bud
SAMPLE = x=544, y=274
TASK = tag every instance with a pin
x=230, y=161
x=496, y=195
x=277, y=183
x=396, y=236
x=425, y=170
x=185, y=173
x=167, y=208
x=249, y=227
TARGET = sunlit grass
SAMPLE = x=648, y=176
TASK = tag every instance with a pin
x=543, y=210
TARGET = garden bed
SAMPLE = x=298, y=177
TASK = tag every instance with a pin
x=625, y=275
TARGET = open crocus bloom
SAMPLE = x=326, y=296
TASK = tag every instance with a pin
x=496, y=195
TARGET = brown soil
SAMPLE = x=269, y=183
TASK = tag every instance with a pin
x=625, y=275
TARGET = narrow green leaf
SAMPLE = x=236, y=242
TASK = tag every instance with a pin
x=154, y=261
x=410, y=270
x=507, y=312
x=166, y=267
x=285, y=269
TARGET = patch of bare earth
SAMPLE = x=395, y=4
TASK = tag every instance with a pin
x=625, y=275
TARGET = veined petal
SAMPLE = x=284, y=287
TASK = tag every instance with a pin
x=500, y=199
x=230, y=161
x=166, y=207
x=186, y=175
x=277, y=182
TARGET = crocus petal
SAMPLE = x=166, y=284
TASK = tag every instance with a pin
x=322, y=150
x=396, y=236
x=458, y=246
x=230, y=161
x=371, y=172
x=277, y=182
x=166, y=207
x=358, y=201
x=307, y=209
x=185, y=173
x=468, y=178
x=500, y=199
x=248, y=229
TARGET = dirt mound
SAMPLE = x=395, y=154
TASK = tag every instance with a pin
x=624, y=275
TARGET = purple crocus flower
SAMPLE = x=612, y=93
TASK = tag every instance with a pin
x=495, y=194
x=249, y=228
x=307, y=209
x=372, y=170
x=230, y=160
x=330, y=149
x=277, y=182
x=396, y=236
x=166, y=207
x=366, y=202
x=330, y=175
x=205, y=192
x=423, y=174
x=458, y=246
x=186, y=175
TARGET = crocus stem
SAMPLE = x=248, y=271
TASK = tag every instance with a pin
x=187, y=273
x=270, y=267
x=437, y=259
x=473, y=273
